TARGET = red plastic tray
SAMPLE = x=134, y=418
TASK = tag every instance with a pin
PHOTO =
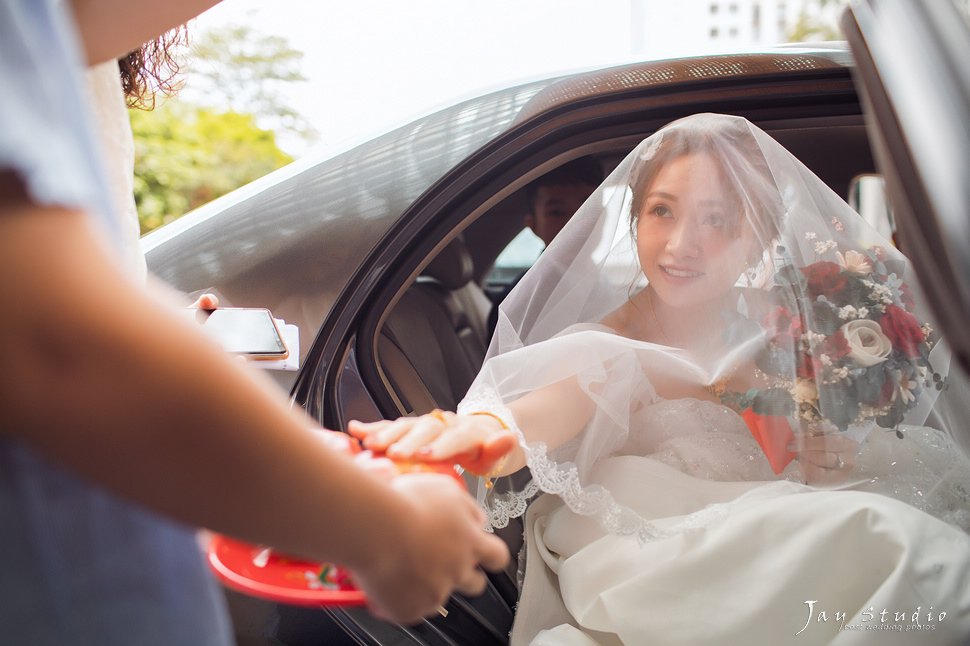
x=283, y=579
x=244, y=567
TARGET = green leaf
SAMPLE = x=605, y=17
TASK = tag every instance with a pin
x=774, y=401
x=838, y=404
x=891, y=419
x=186, y=156
x=824, y=318
x=788, y=275
x=869, y=385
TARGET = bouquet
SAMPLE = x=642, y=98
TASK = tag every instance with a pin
x=842, y=347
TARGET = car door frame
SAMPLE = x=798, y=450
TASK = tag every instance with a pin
x=917, y=103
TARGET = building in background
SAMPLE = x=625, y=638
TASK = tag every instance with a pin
x=665, y=29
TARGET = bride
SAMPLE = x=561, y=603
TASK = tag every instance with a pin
x=733, y=411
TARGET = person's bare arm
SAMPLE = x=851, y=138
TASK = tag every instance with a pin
x=554, y=415
x=135, y=399
x=111, y=28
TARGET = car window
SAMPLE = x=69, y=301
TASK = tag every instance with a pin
x=520, y=254
x=867, y=195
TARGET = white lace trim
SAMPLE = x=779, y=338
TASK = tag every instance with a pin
x=563, y=480
x=501, y=508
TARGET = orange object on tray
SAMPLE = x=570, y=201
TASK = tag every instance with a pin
x=774, y=434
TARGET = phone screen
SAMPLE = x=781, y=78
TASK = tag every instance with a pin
x=245, y=331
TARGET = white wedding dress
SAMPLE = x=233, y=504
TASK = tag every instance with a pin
x=744, y=558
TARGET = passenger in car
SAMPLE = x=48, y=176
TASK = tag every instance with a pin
x=713, y=344
x=553, y=199
x=123, y=426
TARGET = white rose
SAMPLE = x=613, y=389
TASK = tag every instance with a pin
x=805, y=391
x=867, y=344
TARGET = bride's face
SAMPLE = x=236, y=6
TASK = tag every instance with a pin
x=691, y=237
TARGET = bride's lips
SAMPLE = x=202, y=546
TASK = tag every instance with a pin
x=681, y=275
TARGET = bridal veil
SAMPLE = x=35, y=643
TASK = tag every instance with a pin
x=806, y=329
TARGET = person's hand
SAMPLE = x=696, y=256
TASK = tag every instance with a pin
x=825, y=459
x=437, y=552
x=476, y=442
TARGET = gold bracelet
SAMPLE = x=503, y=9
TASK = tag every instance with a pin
x=498, y=419
x=490, y=476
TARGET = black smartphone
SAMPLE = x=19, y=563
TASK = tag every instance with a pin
x=246, y=331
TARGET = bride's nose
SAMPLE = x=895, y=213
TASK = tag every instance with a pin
x=684, y=239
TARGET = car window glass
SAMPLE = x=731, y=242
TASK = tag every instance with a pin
x=520, y=254
x=867, y=195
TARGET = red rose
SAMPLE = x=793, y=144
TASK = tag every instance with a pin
x=835, y=346
x=782, y=326
x=903, y=330
x=825, y=278
x=809, y=364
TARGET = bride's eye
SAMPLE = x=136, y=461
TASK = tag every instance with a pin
x=661, y=211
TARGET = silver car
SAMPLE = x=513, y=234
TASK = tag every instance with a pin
x=385, y=254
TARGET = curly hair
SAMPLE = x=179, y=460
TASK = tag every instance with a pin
x=152, y=68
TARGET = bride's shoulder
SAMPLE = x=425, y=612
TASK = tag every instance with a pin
x=589, y=327
x=619, y=321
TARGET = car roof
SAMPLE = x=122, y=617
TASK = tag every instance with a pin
x=292, y=240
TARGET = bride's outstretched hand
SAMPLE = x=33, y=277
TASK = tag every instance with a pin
x=825, y=459
x=477, y=443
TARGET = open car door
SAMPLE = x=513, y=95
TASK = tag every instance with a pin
x=914, y=81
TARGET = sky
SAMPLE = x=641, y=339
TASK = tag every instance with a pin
x=373, y=64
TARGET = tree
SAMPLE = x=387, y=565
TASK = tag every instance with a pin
x=817, y=20
x=188, y=155
x=238, y=69
x=222, y=130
